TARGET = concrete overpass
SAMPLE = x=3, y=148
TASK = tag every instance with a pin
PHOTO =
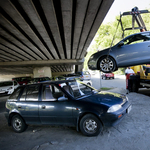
x=47, y=33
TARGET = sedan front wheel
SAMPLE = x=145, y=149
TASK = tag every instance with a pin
x=90, y=125
x=107, y=65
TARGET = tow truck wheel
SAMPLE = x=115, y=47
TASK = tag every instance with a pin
x=107, y=65
x=134, y=87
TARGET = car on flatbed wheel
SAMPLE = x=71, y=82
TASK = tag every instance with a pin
x=108, y=76
x=66, y=102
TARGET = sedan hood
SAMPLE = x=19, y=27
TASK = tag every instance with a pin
x=106, y=98
x=104, y=51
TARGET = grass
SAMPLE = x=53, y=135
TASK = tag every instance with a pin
x=105, y=89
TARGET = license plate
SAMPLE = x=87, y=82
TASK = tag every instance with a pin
x=129, y=109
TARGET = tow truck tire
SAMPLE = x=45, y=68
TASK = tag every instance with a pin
x=135, y=80
x=134, y=87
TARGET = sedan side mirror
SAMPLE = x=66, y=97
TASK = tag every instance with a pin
x=62, y=98
x=121, y=44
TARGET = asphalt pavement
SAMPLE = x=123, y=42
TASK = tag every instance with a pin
x=119, y=81
x=2, y=103
x=131, y=133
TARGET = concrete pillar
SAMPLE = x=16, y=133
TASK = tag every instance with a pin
x=78, y=68
x=42, y=72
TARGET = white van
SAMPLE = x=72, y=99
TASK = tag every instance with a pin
x=8, y=87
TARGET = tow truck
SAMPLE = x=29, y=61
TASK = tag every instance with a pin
x=141, y=78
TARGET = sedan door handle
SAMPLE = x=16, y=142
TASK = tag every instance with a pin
x=43, y=107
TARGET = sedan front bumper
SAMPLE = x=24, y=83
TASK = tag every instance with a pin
x=111, y=119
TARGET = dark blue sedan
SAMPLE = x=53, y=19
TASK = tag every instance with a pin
x=70, y=103
x=132, y=50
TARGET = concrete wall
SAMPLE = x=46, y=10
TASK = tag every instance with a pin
x=9, y=77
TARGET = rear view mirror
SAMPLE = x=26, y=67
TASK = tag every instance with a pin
x=121, y=44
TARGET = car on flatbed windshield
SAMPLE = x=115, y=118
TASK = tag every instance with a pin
x=66, y=102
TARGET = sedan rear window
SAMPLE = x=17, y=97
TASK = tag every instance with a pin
x=30, y=93
x=14, y=96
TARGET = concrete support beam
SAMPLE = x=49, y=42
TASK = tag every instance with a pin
x=60, y=73
x=51, y=33
x=42, y=72
x=39, y=63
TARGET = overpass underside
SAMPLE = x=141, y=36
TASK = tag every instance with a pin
x=54, y=33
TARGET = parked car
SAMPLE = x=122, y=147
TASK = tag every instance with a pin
x=108, y=76
x=8, y=87
x=88, y=82
x=22, y=80
x=132, y=50
x=84, y=75
x=39, y=79
x=56, y=78
x=65, y=102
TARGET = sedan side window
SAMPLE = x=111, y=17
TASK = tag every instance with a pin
x=57, y=92
x=47, y=93
x=137, y=39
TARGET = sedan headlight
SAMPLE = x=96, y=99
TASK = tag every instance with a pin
x=92, y=57
x=114, y=108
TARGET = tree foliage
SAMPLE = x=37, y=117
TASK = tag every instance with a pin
x=106, y=32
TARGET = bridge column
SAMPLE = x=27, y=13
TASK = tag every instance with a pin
x=42, y=72
x=78, y=68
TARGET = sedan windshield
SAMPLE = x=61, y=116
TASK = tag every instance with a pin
x=6, y=83
x=78, y=89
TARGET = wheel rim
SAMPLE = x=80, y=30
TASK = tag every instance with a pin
x=90, y=126
x=106, y=64
x=17, y=124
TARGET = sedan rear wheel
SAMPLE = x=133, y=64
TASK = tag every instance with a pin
x=107, y=65
x=18, y=124
x=90, y=125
